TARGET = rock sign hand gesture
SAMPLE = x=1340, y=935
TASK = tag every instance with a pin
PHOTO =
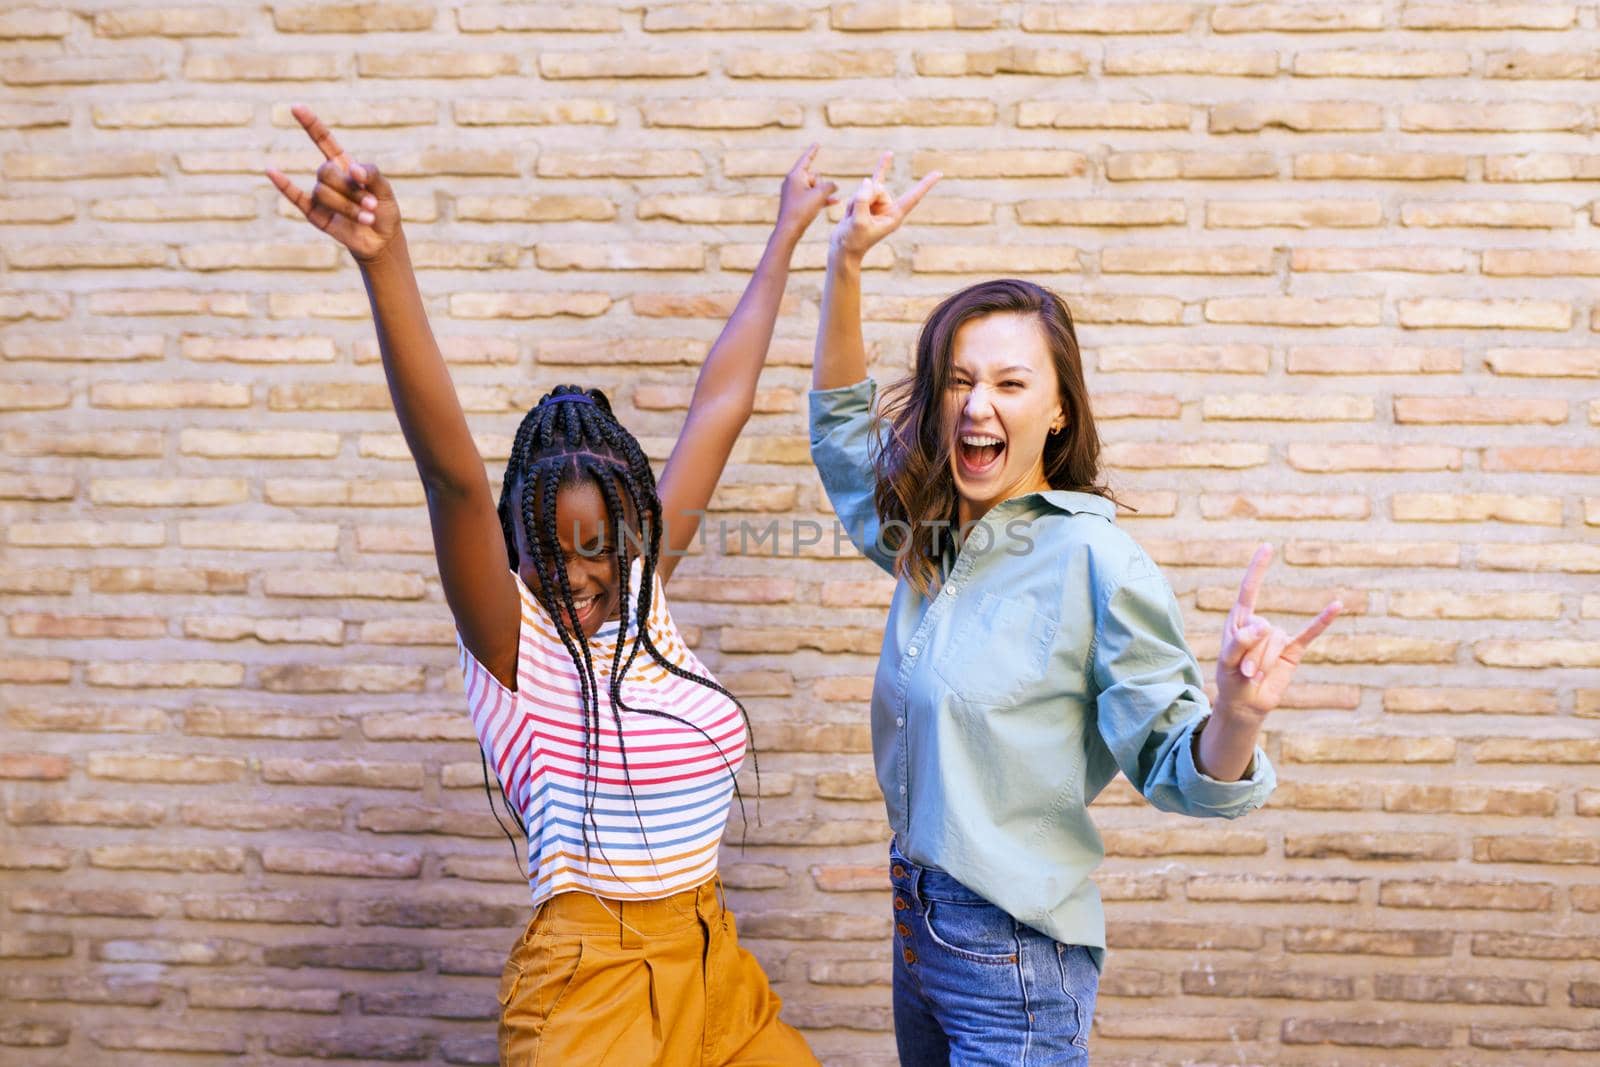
x=351, y=202
x=1258, y=659
x=873, y=214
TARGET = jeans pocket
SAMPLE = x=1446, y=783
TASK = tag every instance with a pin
x=981, y=933
x=1080, y=981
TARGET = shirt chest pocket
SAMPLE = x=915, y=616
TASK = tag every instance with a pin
x=998, y=648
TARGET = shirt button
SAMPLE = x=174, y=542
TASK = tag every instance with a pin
x=902, y=790
x=912, y=651
x=899, y=720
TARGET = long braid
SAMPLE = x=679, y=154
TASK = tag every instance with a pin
x=560, y=444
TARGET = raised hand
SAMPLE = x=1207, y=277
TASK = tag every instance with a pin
x=873, y=214
x=803, y=196
x=351, y=202
x=1258, y=659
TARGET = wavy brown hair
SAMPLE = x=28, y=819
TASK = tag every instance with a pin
x=915, y=490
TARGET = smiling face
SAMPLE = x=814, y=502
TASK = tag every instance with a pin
x=588, y=551
x=1002, y=401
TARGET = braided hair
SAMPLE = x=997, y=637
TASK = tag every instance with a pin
x=570, y=437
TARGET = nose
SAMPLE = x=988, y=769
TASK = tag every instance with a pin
x=978, y=403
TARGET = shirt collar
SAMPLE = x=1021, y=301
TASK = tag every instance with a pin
x=1073, y=502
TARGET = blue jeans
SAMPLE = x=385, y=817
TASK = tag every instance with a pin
x=974, y=987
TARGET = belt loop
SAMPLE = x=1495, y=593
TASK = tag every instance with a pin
x=626, y=935
x=916, y=871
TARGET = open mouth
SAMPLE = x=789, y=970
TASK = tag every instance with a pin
x=979, y=454
x=585, y=608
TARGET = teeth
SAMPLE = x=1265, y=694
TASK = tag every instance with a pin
x=978, y=440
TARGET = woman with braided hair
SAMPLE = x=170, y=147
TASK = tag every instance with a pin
x=614, y=748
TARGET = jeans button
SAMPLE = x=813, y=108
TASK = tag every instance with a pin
x=902, y=929
x=898, y=871
x=900, y=904
x=909, y=956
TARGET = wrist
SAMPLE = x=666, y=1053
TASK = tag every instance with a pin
x=392, y=254
x=843, y=263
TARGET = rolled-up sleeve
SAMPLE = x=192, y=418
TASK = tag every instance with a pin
x=1152, y=701
x=841, y=447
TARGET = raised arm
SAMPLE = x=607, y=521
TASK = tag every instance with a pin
x=354, y=204
x=872, y=215
x=724, y=395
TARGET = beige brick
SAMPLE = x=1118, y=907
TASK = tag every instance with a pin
x=503, y=112
x=33, y=116
x=80, y=70
x=1293, y=311
x=1574, y=557
x=1079, y=115
x=1150, y=62
x=987, y=63
x=861, y=15
x=1382, y=63
x=1384, y=166
x=628, y=256
x=1519, y=117
x=1476, y=507
x=16, y=306
x=1451, y=313
x=1102, y=19
x=83, y=533
x=166, y=768
x=38, y=166
x=84, y=348
x=1529, y=65
x=1199, y=166
x=274, y=444
x=1488, y=15
x=1013, y=163
x=1544, y=362
x=620, y=164
x=168, y=492
x=624, y=63
x=68, y=256
x=721, y=114
x=166, y=302
x=37, y=209
x=353, y=18
x=678, y=17
x=1298, y=117
x=541, y=17
x=1390, y=258
x=1218, y=260
x=264, y=67
x=138, y=395
x=988, y=259
x=1488, y=213
x=1295, y=214
x=1267, y=407
x=1332, y=554
x=1101, y=213
x=161, y=209
x=931, y=112
x=181, y=21
x=37, y=487
x=822, y=64
x=166, y=675
x=1231, y=455
x=34, y=396
x=440, y=65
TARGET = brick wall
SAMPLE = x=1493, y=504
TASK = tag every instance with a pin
x=1334, y=272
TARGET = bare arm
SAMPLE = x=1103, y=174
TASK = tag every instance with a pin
x=355, y=205
x=724, y=394
x=841, y=356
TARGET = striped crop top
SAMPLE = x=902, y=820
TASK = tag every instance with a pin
x=681, y=785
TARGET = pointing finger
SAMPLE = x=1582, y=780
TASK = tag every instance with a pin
x=318, y=132
x=883, y=167
x=292, y=192
x=915, y=194
x=1302, y=641
x=1254, y=575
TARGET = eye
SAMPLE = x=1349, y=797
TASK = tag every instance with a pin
x=1012, y=383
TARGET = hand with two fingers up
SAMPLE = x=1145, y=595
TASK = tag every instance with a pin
x=1254, y=668
x=350, y=202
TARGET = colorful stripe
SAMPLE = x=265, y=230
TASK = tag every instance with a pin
x=653, y=827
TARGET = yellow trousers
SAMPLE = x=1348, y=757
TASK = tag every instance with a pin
x=608, y=983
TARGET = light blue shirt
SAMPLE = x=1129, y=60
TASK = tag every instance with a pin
x=1050, y=658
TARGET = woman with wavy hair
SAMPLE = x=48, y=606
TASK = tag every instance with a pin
x=614, y=748
x=1032, y=652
